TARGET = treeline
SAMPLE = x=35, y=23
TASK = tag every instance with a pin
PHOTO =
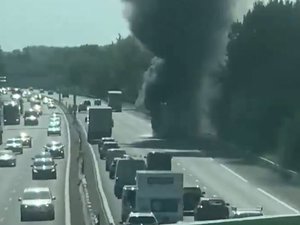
x=259, y=108
x=88, y=69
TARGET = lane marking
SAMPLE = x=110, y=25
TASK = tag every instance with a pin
x=67, y=177
x=278, y=200
x=10, y=199
x=234, y=173
x=99, y=180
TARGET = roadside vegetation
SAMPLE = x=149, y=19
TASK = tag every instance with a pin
x=258, y=108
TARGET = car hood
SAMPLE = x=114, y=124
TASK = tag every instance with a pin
x=53, y=128
x=43, y=167
x=14, y=145
x=36, y=202
x=54, y=148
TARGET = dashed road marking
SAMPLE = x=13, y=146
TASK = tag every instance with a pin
x=234, y=173
x=10, y=199
x=278, y=200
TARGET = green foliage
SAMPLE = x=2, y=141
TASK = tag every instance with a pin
x=261, y=82
x=90, y=68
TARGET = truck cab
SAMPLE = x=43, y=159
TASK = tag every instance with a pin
x=115, y=100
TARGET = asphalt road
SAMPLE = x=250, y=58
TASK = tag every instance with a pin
x=14, y=180
x=240, y=183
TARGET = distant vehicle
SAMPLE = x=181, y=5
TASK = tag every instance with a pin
x=65, y=95
x=31, y=121
x=128, y=201
x=55, y=121
x=56, y=149
x=113, y=165
x=51, y=105
x=38, y=109
x=30, y=112
x=53, y=130
x=102, y=140
x=211, y=209
x=50, y=92
x=45, y=100
x=107, y=145
x=44, y=168
x=11, y=113
x=42, y=155
x=83, y=106
x=14, y=144
x=191, y=198
x=37, y=204
x=100, y=123
x=159, y=161
x=42, y=91
x=111, y=154
x=243, y=213
x=115, y=100
x=160, y=192
x=97, y=102
x=126, y=172
x=145, y=218
x=7, y=158
x=26, y=140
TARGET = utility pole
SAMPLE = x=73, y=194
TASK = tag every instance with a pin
x=3, y=80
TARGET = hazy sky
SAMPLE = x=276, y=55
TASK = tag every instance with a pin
x=60, y=22
x=66, y=22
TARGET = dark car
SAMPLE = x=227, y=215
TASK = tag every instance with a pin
x=211, y=209
x=37, y=204
x=65, y=95
x=26, y=140
x=104, y=139
x=44, y=168
x=31, y=121
x=191, y=198
x=83, y=106
x=7, y=158
x=97, y=102
x=50, y=92
x=56, y=149
x=107, y=145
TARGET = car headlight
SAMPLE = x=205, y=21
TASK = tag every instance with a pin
x=53, y=170
x=47, y=205
x=35, y=171
x=25, y=206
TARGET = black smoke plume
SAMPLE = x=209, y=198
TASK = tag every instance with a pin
x=187, y=37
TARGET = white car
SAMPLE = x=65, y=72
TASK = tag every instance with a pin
x=53, y=130
x=14, y=144
x=7, y=158
x=56, y=149
x=37, y=204
x=145, y=218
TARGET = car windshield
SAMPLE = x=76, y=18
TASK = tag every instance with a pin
x=31, y=195
x=14, y=141
x=142, y=220
x=54, y=144
x=43, y=163
x=2, y=153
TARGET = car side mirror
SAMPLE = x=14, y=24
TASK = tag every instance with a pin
x=32, y=158
x=19, y=199
x=55, y=164
x=53, y=198
x=86, y=119
x=203, y=192
x=227, y=204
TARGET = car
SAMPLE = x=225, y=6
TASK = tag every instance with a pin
x=107, y=145
x=55, y=121
x=14, y=144
x=65, y=95
x=53, y=130
x=50, y=92
x=211, y=209
x=38, y=109
x=51, y=105
x=37, y=204
x=7, y=158
x=113, y=165
x=104, y=139
x=42, y=155
x=97, y=102
x=83, y=106
x=45, y=100
x=145, y=218
x=56, y=149
x=31, y=121
x=191, y=198
x=26, y=140
x=44, y=168
x=30, y=112
x=42, y=91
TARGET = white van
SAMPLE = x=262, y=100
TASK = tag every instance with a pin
x=125, y=173
x=111, y=154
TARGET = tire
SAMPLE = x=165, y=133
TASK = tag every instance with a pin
x=34, y=177
x=30, y=145
x=21, y=152
x=23, y=217
x=51, y=215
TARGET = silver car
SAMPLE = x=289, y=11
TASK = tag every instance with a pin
x=7, y=158
x=37, y=204
x=14, y=144
x=53, y=130
x=55, y=148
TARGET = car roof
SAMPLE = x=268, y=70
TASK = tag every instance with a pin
x=138, y=214
x=13, y=139
x=43, y=159
x=6, y=151
x=36, y=189
x=110, y=143
x=53, y=142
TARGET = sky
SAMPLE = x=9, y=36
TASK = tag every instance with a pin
x=60, y=22
x=66, y=22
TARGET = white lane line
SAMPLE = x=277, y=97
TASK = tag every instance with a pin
x=234, y=173
x=278, y=200
x=67, y=177
x=99, y=181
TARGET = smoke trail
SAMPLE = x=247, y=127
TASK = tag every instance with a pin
x=188, y=36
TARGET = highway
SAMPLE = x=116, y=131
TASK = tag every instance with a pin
x=240, y=183
x=15, y=179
